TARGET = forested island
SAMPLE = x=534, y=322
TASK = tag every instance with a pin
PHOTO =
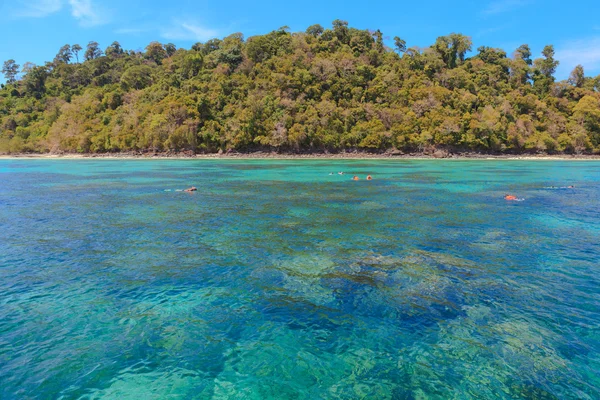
x=323, y=90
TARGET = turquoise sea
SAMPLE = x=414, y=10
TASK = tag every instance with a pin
x=277, y=280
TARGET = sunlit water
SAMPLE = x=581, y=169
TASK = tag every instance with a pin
x=278, y=280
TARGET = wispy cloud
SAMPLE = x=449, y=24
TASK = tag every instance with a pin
x=186, y=30
x=582, y=51
x=503, y=6
x=37, y=8
x=86, y=13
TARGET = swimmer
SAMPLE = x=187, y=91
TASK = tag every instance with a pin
x=355, y=178
x=340, y=173
x=192, y=189
x=331, y=173
x=510, y=197
x=369, y=178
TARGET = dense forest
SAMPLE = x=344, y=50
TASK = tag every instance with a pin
x=320, y=90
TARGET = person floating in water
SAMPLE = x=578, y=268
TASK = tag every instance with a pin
x=191, y=189
x=561, y=187
x=510, y=197
x=369, y=178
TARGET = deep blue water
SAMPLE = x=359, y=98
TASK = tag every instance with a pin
x=278, y=280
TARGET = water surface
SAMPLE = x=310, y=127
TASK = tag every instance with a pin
x=279, y=280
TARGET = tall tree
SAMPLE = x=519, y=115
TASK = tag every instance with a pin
x=543, y=75
x=523, y=52
x=10, y=70
x=315, y=30
x=548, y=64
x=155, y=51
x=577, y=77
x=452, y=48
x=75, y=49
x=64, y=55
x=379, y=40
x=93, y=51
x=400, y=45
x=35, y=81
x=27, y=67
x=340, y=29
x=170, y=48
x=114, y=50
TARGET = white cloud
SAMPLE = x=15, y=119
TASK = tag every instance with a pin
x=188, y=31
x=37, y=8
x=582, y=51
x=86, y=13
x=502, y=6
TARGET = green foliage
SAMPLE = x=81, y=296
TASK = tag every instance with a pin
x=10, y=70
x=323, y=89
x=92, y=51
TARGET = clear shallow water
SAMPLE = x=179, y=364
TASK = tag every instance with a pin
x=276, y=280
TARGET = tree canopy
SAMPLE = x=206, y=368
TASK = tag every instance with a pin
x=321, y=90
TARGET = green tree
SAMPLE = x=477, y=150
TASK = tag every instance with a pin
x=114, y=50
x=92, y=51
x=75, y=49
x=543, y=75
x=64, y=55
x=170, y=48
x=577, y=77
x=27, y=67
x=548, y=64
x=378, y=40
x=156, y=52
x=400, y=45
x=315, y=30
x=523, y=52
x=341, y=31
x=587, y=114
x=35, y=81
x=10, y=70
x=452, y=48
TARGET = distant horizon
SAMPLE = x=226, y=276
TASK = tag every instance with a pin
x=39, y=28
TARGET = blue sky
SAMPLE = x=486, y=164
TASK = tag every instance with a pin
x=34, y=30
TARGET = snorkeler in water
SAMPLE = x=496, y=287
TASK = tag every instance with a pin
x=510, y=197
x=559, y=187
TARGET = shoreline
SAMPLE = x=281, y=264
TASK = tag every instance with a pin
x=308, y=156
